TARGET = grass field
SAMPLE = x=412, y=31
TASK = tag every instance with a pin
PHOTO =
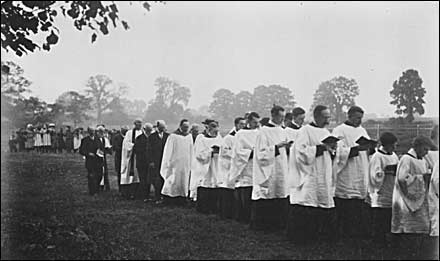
x=46, y=213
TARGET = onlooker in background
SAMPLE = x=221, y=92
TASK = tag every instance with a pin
x=77, y=137
x=12, y=143
x=60, y=141
x=29, y=144
x=46, y=139
x=38, y=140
x=69, y=140
x=21, y=140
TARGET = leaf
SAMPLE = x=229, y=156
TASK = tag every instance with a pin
x=125, y=24
x=43, y=15
x=52, y=38
x=103, y=28
x=94, y=37
x=146, y=5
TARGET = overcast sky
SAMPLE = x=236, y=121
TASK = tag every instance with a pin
x=240, y=45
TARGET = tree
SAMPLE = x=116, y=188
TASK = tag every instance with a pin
x=13, y=82
x=75, y=106
x=407, y=94
x=134, y=108
x=222, y=105
x=116, y=114
x=264, y=97
x=170, y=101
x=23, y=21
x=337, y=94
x=242, y=102
x=100, y=89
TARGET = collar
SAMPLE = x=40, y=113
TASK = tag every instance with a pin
x=313, y=124
x=295, y=126
x=381, y=150
x=273, y=124
x=206, y=134
x=232, y=133
x=412, y=153
x=350, y=124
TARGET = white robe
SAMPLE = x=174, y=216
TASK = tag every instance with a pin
x=127, y=150
x=77, y=141
x=431, y=158
x=225, y=159
x=433, y=200
x=241, y=169
x=205, y=167
x=351, y=173
x=410, y=206
x=176, y=165
x=292, y=135
x=312, y=182
x=269, y=171
x=381, y=186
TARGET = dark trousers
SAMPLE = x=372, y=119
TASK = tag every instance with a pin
x=174, y=201
x=226, y=203
x=154, y=178
x=269, y=214
x=242, y=204
x=93, y=179
x=353, y=216
x=129, y=191
x=415, y=246
x=308, y=224
x=380, y=223
x=143, y=185
x=106, y=185
x=207, y=200
x=118, y=168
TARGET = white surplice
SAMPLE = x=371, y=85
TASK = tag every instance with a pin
x=270, y=170
x=351, y=173
x=127, y=151
x=176, y=165
x=433, y=201
x=225, y=160
x=311, y=177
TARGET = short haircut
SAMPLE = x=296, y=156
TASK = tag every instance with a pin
x=183, y=121
x=237, y=120
x=298, y=111
x=252, y=115
x=318, y=110
x=434, y=132
x=289, y=116
x=276, y=109
x=422, y=140
x=354, y=109
x=387, y=138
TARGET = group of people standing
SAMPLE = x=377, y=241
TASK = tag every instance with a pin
x=278, y=174
x=45, y=139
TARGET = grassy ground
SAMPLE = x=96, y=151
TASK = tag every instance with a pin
x=47, y=214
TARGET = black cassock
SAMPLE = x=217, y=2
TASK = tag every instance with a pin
x=94, y=164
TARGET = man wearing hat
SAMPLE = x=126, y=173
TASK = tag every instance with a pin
x=91, y=148
x=140, y=151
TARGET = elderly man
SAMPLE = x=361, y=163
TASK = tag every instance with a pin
x=140, y=150
x=194, y=131
x=129, y=173
x=176, y=165
x=91, y=148
x=117, y=148
x=155, y=146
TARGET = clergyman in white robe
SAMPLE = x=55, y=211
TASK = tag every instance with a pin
x=270, y=170
x=205, y=172
x=176, y=165
x=352, y=172
x=129, y=173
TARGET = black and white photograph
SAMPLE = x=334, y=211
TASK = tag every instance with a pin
x=207, y=130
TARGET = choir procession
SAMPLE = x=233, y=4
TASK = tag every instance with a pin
x=274, y=174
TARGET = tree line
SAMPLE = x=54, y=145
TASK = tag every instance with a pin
x=103, y=101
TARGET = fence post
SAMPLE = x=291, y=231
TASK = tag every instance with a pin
x=417, y=129
x=378, y=131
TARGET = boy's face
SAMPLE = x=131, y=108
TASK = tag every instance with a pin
x=390, y=147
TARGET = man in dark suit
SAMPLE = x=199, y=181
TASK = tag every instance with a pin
x=117, y=148
x=105, y=143
x=91, y=148
x=155, y=146
x=140, y=151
